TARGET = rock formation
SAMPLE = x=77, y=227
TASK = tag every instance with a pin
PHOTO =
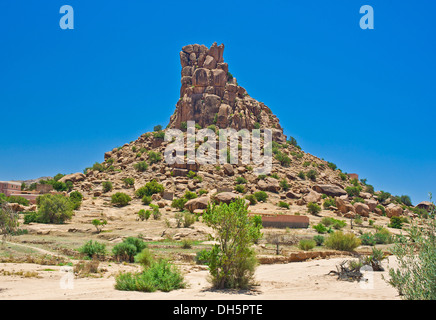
x=209, y=94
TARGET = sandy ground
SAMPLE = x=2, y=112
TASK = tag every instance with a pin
x=292, y=281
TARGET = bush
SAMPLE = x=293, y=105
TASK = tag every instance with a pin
x=141, y=166
x=120, y=199
x=107, y=186
x=344, y=242
x=368, y=239
x=179, y=203
x=98, y=224
x=149, y=189
x=240, y=188
x=251, y=198
x=306, y=244
x=18, y=199
x=353, y=191
x=396, y=222
x=146, y=200
x=232, y=261
x=128, y=182
x=241, y=180
x=144, y=258
x=31, y=217
x=93, y=249
x=284, y=185
x=54, y=208
x=144, y=214
x=383, y=196
x=332, y=166
x=329, y=202
x=382, y=209
x=8, y=221
x=311, y=174
x=337, y=224
x=76, y=199
x=302, y=175
x=156, y=213
x=154, y=157
x=189, y=195
x=320, y=228
x=283, y=159
x=261, y=196
x=319, y=240
x=283, y=204
x=160, y=275
x=188, y=219
x=313, y=208
x=126, y=250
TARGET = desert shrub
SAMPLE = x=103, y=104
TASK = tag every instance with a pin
x=159, y=135
x=128, y=182
x=383, y=196
x=30, y=217
x=357, y=199
x=8, y=221
x=144, y=258
x=332, y=166
x=141, y=166
x=241, y=180
x=98, y=224
x=240, y=188
x=313, y=208
x=318, y=239
x=343, y=176
x=369, y=188
x=251, y=198
x=190, y=195
x=283, y=159
x=107, y=186
x=335, y=223
x=284, y=185
x=353, y=191
x=232, y=261
x=368, y=239
x=283, y=204
x=146, y=200
x=126, y=250
x=311, y=174
x=342, y=241
x=54, y=208
x=160, y=275
x=93, y=249
x=396, y=222
x=261, y=196
x=306, y=244
x=120, y=199
x=179, y=203
x=76, y=199
x=157, y=128
x=188, y=219
x=302, y=175
x=320, y=228
x=414, y=278
x=155, y=212
x=154, y=157
x=144, y=214
x=382, y=209
x=187, y=243
x=149, y=189
x=329, y=202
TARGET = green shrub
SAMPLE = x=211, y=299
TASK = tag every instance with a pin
x=320, y=228
x=144, y=258
x=260, y=196
x=251, y=198
x=306, y=244
x=30, y=217
x=368, y=239
x=353, y=191
x=146, y=200
x=382, y=209
x=141, y=166
x=283, y=204
x=144, y=214
x=98, y=224
x=343, y=176
x=155, y=212
x=128, y=182
x=332, y=166
x=107, y=186
x=157, y=128
x=189, y=195
x=54, y=208
x=160, y=275
x=120, y=199
x=396, y=222
x=154, y=157
x=284, y=185
x=126, y=250
x=18, y=199
x=302, y=175
x=311, y=174
x=342, y=241
x=179, y=203
x=76, y=199
x=313, y=208
x=240, y=188
x=329, y=202
x=93, y=249
x=241, y=180
x=319, y=240
x=149, y=189
x=383, y=196
x=283, y=159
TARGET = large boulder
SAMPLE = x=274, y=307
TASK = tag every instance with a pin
x=344, y=206
x=312, y=196
x=269, y=184
x=361, y=209
x=393, y=210
x=228, y=169
x=372, y=204
x=226, y=197
x=74, y=177
x=197, y=203
x=330, y=190
x=426, y=205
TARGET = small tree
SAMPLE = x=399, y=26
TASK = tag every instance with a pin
x=232, y=261
x=54, y=208
x=98, y=224
x=8, y=221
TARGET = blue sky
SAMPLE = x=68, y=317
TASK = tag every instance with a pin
x=363, y=99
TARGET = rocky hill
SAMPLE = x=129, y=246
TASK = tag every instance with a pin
x=211, y=97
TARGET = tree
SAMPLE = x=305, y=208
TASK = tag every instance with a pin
x=98, y=224
x=8, y=221
x=54, y=208
x=232, y=261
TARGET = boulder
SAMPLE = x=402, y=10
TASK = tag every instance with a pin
x=74, y=177
x=344, y=206
x=292, y=195
x=269, y=184
x=312, y=196
x=209, y=63
x=361, y=209
x=330, y=190
x=393, y=210
x=197, y=203
x=228, y=169
x=426, y=205
x=226, y=197
x=372, y=204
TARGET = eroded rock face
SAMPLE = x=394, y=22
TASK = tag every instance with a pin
x=205, y=74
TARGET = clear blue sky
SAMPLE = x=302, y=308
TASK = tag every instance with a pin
x=363, y=99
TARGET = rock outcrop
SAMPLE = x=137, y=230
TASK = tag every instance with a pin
x=209, y=94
